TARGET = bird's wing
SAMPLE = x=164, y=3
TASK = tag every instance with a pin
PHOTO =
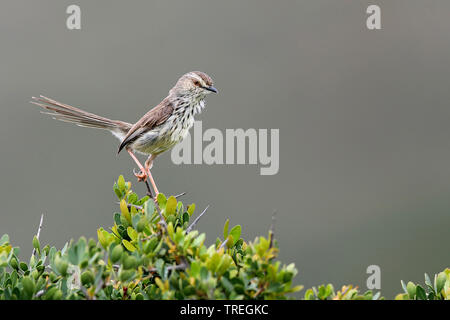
x=155, y=117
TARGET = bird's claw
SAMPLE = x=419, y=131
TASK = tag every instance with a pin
x=141, y=176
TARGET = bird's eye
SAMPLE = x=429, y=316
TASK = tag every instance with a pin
x=197, y=83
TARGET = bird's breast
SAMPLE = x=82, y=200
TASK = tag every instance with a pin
x=168, y=134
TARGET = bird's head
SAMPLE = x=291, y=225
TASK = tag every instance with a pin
x=194, y=83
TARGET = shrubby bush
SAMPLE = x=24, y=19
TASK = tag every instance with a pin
x=439, y=289
x=348, y=292
x=151, y=252
x=154, y=252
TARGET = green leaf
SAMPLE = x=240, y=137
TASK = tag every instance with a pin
x=23, y=266
x=130, y=262
x=236, y=233
x=132, y=233
x=128, y=245
x=13, y=263
x=36, y=244
x=225, y=229
x=50, y=293
x=440, y=282
x=61, y=266
x=428, y=281
x=309, y=294
x=121, y=183
x=421, y=294
x=203, y=273
x=227, y=285
x=161, y=198
x=150, y=245
x=230, y=241
x=116, y=253
x=136, y=218
x=171, y=206
x=125, y=211
x=117, y=218
x=141, y=224
x=149, y=208
x=117, y=191
x=87, y=278
x=125, y=275
x=28, y=287
x=199, y=240
x=132, y=198
x=191, y=209
x=159, y=266
x=101, y=238
x=186, y=217
x=194, y=269
x=139, y=296
x=142, y=201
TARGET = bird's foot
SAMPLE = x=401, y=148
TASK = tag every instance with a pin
x=141, y=176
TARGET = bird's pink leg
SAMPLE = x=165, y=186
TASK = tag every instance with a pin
x=143, y=175
x=148, y=166
x=145, y=172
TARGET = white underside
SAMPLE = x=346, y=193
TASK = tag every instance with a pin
x=165, y=136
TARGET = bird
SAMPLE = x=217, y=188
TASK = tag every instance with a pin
x=155, y=132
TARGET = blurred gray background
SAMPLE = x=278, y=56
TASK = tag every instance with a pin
x=363, y=116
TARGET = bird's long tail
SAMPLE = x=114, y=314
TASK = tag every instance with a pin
x=64, y=112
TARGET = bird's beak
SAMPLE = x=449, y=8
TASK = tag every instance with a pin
x=211, y=88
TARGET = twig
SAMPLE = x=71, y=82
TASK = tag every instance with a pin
x=272, y=228
x=149, y=191
x=223, y=244
x=196, y=220
x=40, y=293
x=129, y=205
x=38, y=233
x=180, y=195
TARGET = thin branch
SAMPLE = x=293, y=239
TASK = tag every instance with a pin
x=40, y=293
x=129, y=205
x=149, y=191
x=180, y=195
x=196, y=220
x=38, y=233
x=223, y=244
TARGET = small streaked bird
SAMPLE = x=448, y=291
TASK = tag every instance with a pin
x=157, y=131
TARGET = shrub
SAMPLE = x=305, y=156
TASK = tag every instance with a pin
x=327, y=292
x=151, y=252
x=439, y=289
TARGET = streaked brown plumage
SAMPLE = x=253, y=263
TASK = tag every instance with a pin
x=157, y=131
